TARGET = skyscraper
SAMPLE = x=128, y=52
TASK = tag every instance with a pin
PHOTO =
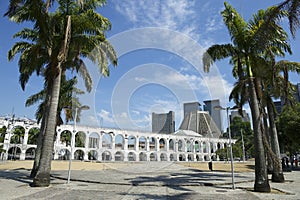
x=163, y=122
x=215, y=114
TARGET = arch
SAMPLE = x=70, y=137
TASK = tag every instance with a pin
x=152, y=144
x=143, y=156
x=131, y=142
x=119, y=142
x=190, y=157
x=119, y=156
x=173, y=157
x=219, y=146
x=80, y=138
x=197, y=158
x=131, y=156
x=30, y=153
x=204, y=146
x=189, y=147
x=14, y=153
x=142, y=143
x=212, y=147
x=106, y=141
x=171, y=145
x=182, y=157
x=180, y=145
x=79, y=154
x=94, y=139
x=64, y=154
x=206, y=158
x=33, y=134
x=65, y=137
x=93, y=155
x=162, y=144
x=18, y=133
x=153, y=156
x=197, y=146
x=163, y=157
x=106, y=156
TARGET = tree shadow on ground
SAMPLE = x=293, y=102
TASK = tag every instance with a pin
x=20, y=175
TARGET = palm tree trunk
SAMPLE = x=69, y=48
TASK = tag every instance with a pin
x=42, y=178
x=261, y=177
x=277, y=175
x=39, y=146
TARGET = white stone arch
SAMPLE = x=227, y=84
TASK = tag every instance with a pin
x=93, y=155
x=173, y=157
x=14, y=152
x=119, y=141
x=153, y=156
x=189, y=146
x=64, y=154
x=17, y=137
x=80, y=139
x=219, y=146
x=131, y=156
x=143, y=156
x=142, y=143
x=171, y=145
x=30, y=153
x=181, y=145
x=32, y=137
x=65, y=138
x=212, y=147
x=190, y=157
x=119, y=156
x=107, y=141
x=94, y=140
x=162, y=144
x=132, y=142
x=204, y=147
x=197, y=146
x=106, y=156
x=79, y=154
x=163, y=157
x=182, y=157
x=152, y=143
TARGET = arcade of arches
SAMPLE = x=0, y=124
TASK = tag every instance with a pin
x=87, y=143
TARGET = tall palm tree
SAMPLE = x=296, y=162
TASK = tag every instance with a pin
x=60, y=45
x=244, y=52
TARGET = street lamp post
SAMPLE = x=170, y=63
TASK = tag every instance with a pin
x=229, y=135
x=74, y=131
x=244, y=155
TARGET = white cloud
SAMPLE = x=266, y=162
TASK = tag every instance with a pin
x=106, y=116
x=177, y=15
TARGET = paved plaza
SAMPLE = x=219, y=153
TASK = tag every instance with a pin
x=145, y=180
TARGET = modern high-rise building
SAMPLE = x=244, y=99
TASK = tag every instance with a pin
x=191, y=106
x=235, y=113
x=199, y=121
x=163, y=122
x=215, y=114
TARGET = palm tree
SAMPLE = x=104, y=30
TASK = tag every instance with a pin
x=60, y=46
x=245, y=53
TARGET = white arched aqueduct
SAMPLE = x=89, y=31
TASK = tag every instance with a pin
x=105, y=144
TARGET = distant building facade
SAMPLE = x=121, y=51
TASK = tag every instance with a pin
x=215, y=114
x=163, y=122
x=199, y=121
x=191, y=107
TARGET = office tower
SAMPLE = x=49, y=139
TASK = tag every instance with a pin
x=163, y=122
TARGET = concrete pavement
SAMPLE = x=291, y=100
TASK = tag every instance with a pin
x=145, y=180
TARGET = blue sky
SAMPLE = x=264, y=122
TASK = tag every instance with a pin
x=159, y=44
